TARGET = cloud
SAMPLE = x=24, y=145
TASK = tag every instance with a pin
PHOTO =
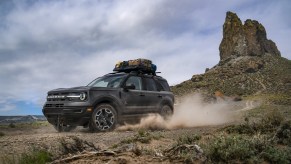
x=6, y=107
x=52, y=44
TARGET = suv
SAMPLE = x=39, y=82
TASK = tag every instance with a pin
x=109, y=100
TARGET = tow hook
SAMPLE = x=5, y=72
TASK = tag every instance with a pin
x=59, y=123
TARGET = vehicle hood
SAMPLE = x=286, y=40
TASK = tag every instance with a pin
x=74, y=89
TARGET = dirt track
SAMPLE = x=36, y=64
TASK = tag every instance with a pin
x=81, y=142
x=18, y=140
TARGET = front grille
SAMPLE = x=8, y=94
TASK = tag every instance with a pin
x=57, y=97
x=54, y=105
x=48, y=105
x=54, y=97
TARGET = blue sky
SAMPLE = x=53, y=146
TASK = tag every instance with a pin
x=65, y=43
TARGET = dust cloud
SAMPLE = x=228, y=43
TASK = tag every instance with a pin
x=191, y=112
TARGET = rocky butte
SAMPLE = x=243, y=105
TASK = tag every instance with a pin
x=250, y=63
x=248, y=39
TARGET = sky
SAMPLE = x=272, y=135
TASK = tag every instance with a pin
x=65, y=43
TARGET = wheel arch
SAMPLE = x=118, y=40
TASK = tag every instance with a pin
x=167, y=102
x=108, y=100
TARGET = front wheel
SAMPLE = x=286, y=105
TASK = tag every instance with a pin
x=104, y=118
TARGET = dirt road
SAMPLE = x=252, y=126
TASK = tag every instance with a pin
x=19, y=140
x=133, y=146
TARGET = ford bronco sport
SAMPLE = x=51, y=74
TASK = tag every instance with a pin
x=109, y=100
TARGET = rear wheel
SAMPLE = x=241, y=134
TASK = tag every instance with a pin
x=166, y=112
x=104, y=118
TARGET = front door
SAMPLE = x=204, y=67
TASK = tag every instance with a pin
x=133, y=99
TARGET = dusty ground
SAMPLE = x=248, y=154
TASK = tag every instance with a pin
x=81, y=146
x=22, y=139
x=127, y=146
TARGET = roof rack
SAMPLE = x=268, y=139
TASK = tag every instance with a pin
x=138, y=72
x=141, y=66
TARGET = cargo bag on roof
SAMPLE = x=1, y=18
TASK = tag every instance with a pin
x=142, y=65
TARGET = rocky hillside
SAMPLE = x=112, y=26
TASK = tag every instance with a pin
x=21, y=119
x=249, y=63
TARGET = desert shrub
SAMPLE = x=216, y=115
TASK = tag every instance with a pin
x=279, y=99
x=267, y=123
x=36, y=157
x=33, y=157
x=37, y=124
x=276, y=155
x=189, y=157
x=2, y=134
x=272, y=119
x=283, y=134
x=253, y=141
x=12, y=125
x=240, y=129
x=148, y=136
x=125, y=141
x=142, y=136
x=188, y=139
x=232, y=147
x=253, y=149
x=6, y=159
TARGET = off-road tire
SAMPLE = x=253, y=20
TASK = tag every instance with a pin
x=166, y=112
x=104, y=118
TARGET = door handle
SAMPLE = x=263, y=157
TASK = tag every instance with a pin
x=160, y=96
x=141, y=94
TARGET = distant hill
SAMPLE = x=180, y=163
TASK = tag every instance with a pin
x=249, y=64
x=21, y=119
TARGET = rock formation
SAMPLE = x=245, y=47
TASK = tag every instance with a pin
x=249, y=39
x=249, y=63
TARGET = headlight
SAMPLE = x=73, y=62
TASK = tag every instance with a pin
x=83, y=96
x=77, y=96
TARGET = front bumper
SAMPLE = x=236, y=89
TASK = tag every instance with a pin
x=77, y=116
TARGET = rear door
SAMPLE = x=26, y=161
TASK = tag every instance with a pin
x=152, y=95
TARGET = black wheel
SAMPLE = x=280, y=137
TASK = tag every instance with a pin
x=166, y=112
x=104, y=118
x=64, y=128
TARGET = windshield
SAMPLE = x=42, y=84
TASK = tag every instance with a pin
x=113, y=81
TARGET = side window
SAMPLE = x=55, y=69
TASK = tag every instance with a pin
x=159, y=86
x=150, y=84
x=135, y=80
x=165, y=85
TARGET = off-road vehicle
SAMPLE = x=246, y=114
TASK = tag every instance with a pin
x=109, y=100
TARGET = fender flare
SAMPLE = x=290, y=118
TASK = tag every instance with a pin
x=167, y=101
x=111, y=100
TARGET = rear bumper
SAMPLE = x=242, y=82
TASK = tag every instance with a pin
x=77, y=116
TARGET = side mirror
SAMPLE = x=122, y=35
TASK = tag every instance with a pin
x=128, y=87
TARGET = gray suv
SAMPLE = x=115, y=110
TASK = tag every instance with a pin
x=109, y=100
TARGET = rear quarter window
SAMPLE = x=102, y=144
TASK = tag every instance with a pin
x=150, y=84
x=164, y=84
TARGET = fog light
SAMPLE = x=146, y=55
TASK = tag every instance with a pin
x=89, y=109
